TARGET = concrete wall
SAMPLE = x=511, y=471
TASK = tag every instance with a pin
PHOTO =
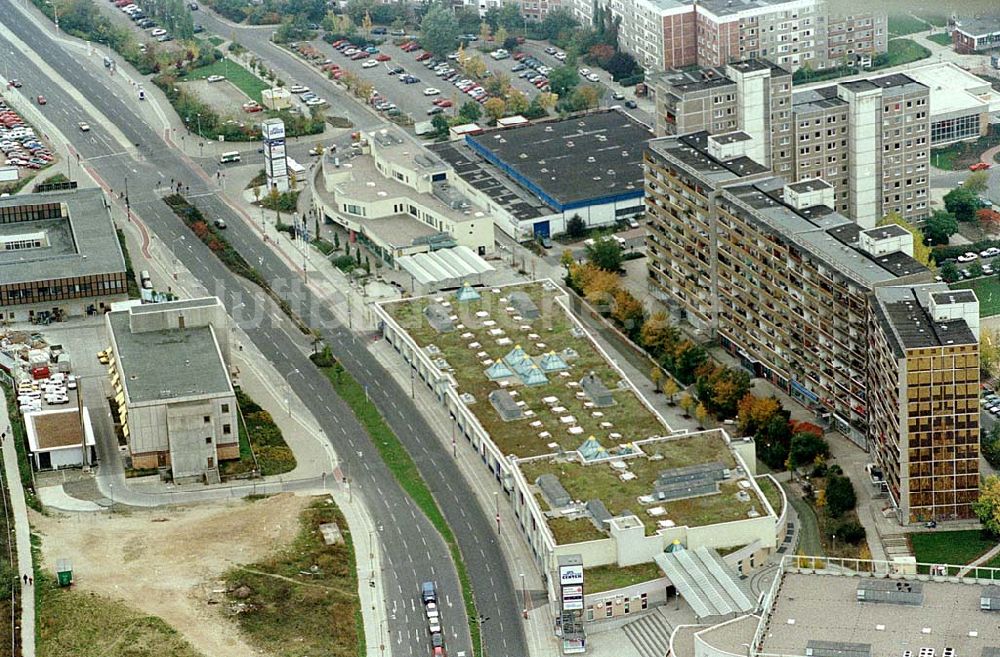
x=864, y=153
x=192, y=440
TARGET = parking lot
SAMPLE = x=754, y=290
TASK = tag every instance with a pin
x=19, y=145
x=986, y=259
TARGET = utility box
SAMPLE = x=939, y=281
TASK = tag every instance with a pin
x=64, y=572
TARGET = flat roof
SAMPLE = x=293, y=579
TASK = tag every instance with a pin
x=168, y=364
x=810, y=185
x=822, y=607
x=58, y=429
x=903, y=315
x=81, y=236
x=572, y=162
x=979, y=26
x=692, y=151
x=398, y=230
x=445, y=266
x=953, y=89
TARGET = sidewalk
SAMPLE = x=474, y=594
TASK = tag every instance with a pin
x=22, y=532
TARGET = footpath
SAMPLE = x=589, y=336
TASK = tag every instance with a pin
x=22, y=533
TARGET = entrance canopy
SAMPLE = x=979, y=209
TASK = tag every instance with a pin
x=705, y=581
x=445, y=268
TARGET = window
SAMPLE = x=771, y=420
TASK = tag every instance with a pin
x=627, y=605
x=207, y=419
x=208, y=440
x=644, y=601
x=227, y=429
x=608, y=610
x=225, y=408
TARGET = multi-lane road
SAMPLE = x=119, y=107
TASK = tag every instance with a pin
x=414, y=551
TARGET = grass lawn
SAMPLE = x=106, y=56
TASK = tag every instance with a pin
x=609, y=578
x=246, y=81
x=771, y=492
x=216, y=41
x=809, y=543
x=903, y=24
x=294, y=614
x=401, y=464
x=950, y=547
x=941, y=39
x=958, y=156
x=988, y=291
x=71, y=622
x=904, y=51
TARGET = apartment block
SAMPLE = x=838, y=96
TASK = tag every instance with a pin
x=664, y=34
x=868, y=138
x=770, y=269
x=924, y=424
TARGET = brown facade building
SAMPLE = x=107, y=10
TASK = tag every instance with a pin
x=771, y=270
x=59, y=256
x=976, y=36
x=923, y=426
x=868, y=138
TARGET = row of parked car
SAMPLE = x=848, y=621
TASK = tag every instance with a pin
x=428, y=595
x=134, y=11
x=990, y=402
x=21, y=147
x=52, y=390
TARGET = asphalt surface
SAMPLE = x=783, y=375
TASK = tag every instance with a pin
x=413, y=549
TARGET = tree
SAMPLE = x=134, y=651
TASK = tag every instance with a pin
x=546, y=100
x=940, y=226
x=336, y=240
x=688, y=404
x=366, y=24
x=949, y=272
x=628, y=312
x=563, y=79
x=656, y=376
x=475, y=66
x=584, y=97
x=658, y=335
x=601, y=54
x=575, y=227
x=755, y=412
x=987, y=507
x=976, y=269
x=485, y=32
x=499, y=85
x=921, y=252
x=989, y=355
x=805, y=448
x=495, y=108
x=670, y=388
x=721, y=389
x=558, y=23
x=977, y=182
x=990, y=446
x=439, y=30
x=840, y=495
x=686, y=358
x=441, y=126
x=468, y=20
x=567, y=259
x=599, y=289
x=470, y=112
x=605, y=253
x=509, y=18
x=989, y=220
x=701, y=413
x=500, y=36
x=962, y=202
x=621, y=65
x=517, y=102
x=774, y=439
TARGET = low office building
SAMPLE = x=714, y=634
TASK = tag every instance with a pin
x=587, y=466
x=395, y=196
x=534, y=178
x=924, y=422
x=60, y=438
x=869, y=138
x=771, y=270
x=976, y=36
x=176, y=402
x=59, y=256
x=961, y=103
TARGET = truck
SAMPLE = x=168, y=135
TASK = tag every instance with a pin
x=428, y=592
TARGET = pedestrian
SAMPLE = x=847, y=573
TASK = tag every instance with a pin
x=25, y=579
x=171, y=182
x=31, y=581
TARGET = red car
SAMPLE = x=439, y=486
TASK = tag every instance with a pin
x=424, y=56
x=359, y=55
x=443, y=102
x=979, y=166
x=518, y=56
x=382, y=57
x=41, y=100
x=338, y=42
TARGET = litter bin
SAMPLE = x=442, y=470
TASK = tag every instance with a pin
x=64, y=572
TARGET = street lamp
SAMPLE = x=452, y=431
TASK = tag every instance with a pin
x=55, y=9
x=524, y=592
x=288, y=397
x=496, y=498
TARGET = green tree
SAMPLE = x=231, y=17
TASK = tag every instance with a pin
x=940, y=226
x=685, y=360
x=987, y=507
x=576, y=227
x=605, y=253
x=470, y=112
x=977, y=182
x=468, y=20
x=621, y=65
x=441, y=126
x=962, y=203
x=558, y=23
x=805, y=448
x=990, y=446
x=563, y=80
x=840, y=495
x=774, y=438
x=976, y=269
x=439, y=30
x=510, y=17
x=949, y=272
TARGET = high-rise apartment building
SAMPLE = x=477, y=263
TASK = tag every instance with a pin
x=868, y=138
x=664, y=34
x=923, y=426
x=770, y=269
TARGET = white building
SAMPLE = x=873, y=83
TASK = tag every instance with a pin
x=56, y=438
x=176, y=403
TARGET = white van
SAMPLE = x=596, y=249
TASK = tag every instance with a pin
x=231, y=156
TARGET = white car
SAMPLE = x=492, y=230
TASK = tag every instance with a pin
x=369, y=63
x=593, y=77
x=432, y=611
x=434, y=626
x=84, y=127
x=160, y=32
x=216, y=78
x=298, y=89
x=584, y=72
x=990, y=252
x=431, y=91
x=968, y=256
x=313, y=102
x=561, y=56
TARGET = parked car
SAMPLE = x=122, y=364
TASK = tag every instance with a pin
x=431, y=91
x=298, y=89
x=968, y=256
x=631, y=104
x=990, y=252
x=84, y=127
x=41, y=100
x=979, y=166
x=370, y=63
x=215, y=78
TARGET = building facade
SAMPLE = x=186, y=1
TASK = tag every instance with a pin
x=975, y=36
x=868, y=138
x=771, y=271
x=176, y=404
x=59, y=256
x=924, y=423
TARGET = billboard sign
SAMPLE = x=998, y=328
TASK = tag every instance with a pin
x=570, y=575
x=273, y=129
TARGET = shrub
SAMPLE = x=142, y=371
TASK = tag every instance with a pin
x=840, y=496
x=849, y=531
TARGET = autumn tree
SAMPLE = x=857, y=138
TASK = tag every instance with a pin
x=755, y=412
x=475, y=66
x=495, y=108
x=684, y=360
x=688, y=404
x=566, y=259
x=721, y=389
x=517, y=102
x=656, y=376
x=658, y=334
x=628, y=312
x=701, y=413
x=921, y=252
x=989, y=354
x=987, y=507
x=670, y=388
x=978, y=182
x=989, y=220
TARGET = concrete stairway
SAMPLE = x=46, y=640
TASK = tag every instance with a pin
x=650, y=634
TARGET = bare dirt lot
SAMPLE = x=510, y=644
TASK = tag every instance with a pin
x=224, y=97
x=169, y=562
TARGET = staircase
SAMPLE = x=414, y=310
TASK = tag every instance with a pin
x=650, y=634
x=212, y=476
